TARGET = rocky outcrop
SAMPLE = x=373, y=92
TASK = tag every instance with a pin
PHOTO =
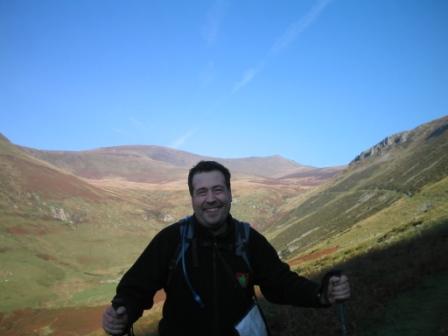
x=383, y=147
x=4, y=139
x=60, y=214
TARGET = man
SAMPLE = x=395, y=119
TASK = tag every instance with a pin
x=209, y=287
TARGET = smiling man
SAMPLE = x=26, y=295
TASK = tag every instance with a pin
x=208, y=264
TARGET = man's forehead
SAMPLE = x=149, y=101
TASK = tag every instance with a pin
x=211, y=178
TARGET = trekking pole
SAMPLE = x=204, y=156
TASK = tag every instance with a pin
x=340, y=308
x=120, y=313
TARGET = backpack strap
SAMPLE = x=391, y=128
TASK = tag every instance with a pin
x=242, y=233
x=186, y=236
x=182, y=247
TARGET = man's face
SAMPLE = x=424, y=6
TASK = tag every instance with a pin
x=211, y=199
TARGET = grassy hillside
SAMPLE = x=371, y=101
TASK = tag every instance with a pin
x=386, y=225
x=367, y=187
x=61, y=236
x=395, y=260
x=398, y=285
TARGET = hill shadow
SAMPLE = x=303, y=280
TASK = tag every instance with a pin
x=384, y=282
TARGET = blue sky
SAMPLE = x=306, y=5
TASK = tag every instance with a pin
x=314, y=81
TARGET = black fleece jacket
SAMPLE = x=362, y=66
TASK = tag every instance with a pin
x=213, y=269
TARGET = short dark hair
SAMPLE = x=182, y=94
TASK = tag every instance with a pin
x=208, y=166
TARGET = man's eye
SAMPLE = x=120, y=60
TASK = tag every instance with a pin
x=201, y=192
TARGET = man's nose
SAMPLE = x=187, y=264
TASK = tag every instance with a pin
x=210, y=197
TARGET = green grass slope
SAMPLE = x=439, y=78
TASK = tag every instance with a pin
x=398, y=287
x=396, y=169
x=60, y=236
x=387, y=227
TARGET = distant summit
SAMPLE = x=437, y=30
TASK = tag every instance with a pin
x=153, y=164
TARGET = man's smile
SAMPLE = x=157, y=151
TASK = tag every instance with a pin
x=212, y=210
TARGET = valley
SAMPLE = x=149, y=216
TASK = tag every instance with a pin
x=71, y=223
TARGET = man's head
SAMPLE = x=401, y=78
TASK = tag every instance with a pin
x=211, y=196
x=208, y=166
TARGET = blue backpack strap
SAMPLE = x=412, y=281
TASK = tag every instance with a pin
x=181, y=248
x=186, y=236
x=242, y=234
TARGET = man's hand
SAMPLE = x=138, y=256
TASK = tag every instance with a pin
x=115, y=322
x=338, y=288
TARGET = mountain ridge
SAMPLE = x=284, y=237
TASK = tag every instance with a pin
x=150, y=163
